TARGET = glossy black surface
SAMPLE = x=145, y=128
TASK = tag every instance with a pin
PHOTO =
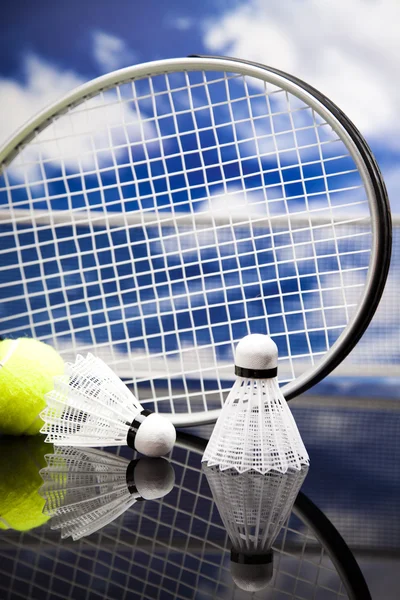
x=177, y=547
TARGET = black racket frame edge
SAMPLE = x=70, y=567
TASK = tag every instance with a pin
x=384, y=221
x=337, y=549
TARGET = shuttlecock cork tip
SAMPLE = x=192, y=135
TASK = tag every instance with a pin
x=256, y=352
x=156, y=436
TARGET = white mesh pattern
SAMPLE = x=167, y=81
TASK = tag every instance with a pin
x=81, y=461
x=84, y=490
x=160, y=221
x=82, y=473
x=90, y=406
x=87, y=489
x=89, y=515
x=254, y=507
x=256, y=430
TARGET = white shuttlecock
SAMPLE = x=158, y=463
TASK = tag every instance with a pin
x=256, y=429
x=253, y=508
x=85, y=490
x=91, y=406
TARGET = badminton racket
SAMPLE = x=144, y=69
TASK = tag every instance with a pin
x=156, y=215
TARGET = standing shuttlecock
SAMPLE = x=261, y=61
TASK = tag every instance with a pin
x=91, y=406
x=85, y=490
x=253, y=508
x=256, y=429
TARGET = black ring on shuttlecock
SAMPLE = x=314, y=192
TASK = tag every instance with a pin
x=251, y=559
x=133, y=428
x=130, y=480
x=256, y=373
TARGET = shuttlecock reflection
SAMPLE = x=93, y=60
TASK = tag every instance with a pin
x=84, y=490
x=253, y=508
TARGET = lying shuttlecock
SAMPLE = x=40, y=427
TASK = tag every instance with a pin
x=85, y=490
x=253, y=508
x=256, y=429
x=91, y=406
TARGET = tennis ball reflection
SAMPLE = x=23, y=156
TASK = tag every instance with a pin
x=20, y=461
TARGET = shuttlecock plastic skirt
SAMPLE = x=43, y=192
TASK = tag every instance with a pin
x=256, y=430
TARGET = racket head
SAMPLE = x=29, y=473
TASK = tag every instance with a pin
x=158, y=214
x=176, y=546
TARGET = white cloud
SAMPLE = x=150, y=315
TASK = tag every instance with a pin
x=111, y=52
x=183, y=23
x=70, y=138
x=180, y=23
x=42, y=85
x=350, y=50
x=234, y=203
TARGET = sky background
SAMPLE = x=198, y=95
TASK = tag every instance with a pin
x=349, y=49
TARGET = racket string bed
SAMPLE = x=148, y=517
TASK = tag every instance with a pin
x=162, y=215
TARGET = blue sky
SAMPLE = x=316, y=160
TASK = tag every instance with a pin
x=63, y=32
x=349, y=49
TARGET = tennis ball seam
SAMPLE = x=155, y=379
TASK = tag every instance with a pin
x=13, y=347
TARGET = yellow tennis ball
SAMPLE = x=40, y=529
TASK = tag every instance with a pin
x=27, y=369
x=20, y=462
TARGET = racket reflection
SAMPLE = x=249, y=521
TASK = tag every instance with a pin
x=176, y=547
